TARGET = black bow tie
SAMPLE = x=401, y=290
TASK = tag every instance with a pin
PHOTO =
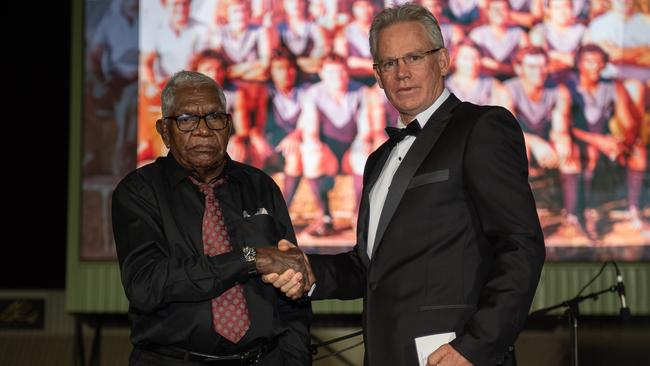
x=397, y=134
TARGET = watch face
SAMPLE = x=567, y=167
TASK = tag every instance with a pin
x=249, y=253
x=249, y=257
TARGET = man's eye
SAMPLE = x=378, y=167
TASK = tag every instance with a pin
x=185, y=118
x=388, y=64
x=213, y=116
x=414, y=58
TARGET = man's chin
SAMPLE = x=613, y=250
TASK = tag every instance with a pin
x=204, y=155
x=210, y=163
x=199, y=163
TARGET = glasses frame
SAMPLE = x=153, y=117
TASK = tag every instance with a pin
x=201, y=117
x=378, y=67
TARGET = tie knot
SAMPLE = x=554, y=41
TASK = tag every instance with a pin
x=207, y=188
x=397, y=134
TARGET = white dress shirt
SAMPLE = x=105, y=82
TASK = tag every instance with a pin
x=380, y=189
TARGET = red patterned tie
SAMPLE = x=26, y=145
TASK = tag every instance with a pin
x=229, y=310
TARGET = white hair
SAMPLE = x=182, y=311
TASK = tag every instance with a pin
x=187, y=78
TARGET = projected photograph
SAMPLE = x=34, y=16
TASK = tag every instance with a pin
x=299, y=84
x=110, y=105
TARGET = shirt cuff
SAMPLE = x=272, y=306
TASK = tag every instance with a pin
x=311, y=290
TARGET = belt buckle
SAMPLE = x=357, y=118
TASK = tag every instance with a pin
x=248, y=358
x=254, y=358
x=258, y=357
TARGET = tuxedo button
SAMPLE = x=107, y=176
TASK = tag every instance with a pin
x=373, y=285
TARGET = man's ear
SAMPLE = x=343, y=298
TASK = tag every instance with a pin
x=162, y=129
x=443, y=61
x=231, y=129
x=376, y=73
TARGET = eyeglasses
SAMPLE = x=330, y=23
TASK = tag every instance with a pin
x=413, y=59
x=189, y=122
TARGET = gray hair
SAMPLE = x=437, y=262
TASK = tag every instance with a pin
x=187, y=78
x=405, y=13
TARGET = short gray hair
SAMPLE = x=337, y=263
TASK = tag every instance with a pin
x=187, y=78
x=405, y=13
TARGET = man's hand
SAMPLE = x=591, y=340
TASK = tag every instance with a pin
x=544, y=153
x=290, y=144
x=293, y=283
x=446, y=355
x=274, y=260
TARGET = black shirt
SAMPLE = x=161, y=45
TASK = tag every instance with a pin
x=157, y=218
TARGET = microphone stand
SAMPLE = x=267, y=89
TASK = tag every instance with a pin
x=573, y=311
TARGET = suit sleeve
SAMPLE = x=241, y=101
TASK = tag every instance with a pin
x=341, y=276
x=496, y=174
x=153, y=274
x=296, y=315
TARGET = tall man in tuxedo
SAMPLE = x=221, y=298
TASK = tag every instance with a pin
x=448, y=239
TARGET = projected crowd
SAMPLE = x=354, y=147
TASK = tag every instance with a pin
x=298, y=78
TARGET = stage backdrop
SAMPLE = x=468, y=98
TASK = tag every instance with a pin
x=299, y=85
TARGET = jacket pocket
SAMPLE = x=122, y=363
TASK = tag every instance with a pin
x=445, y=307
x=428, y=178
x=260, y=230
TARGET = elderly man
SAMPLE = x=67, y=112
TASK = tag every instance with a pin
x=448, y=239
x=186, y=229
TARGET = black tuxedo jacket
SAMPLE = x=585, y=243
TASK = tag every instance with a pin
x=458, y=246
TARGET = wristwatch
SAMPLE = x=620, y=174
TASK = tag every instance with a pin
x=250, y=255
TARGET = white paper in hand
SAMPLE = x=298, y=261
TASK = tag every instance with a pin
x=427, y=344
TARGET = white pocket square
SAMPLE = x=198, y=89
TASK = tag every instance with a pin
x=261, y=211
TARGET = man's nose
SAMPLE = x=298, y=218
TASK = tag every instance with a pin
x=402, y=69
x=202, y=128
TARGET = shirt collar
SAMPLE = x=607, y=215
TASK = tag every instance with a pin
x=424, y=116
x=177, y=173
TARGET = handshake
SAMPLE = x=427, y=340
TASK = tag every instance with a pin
x=285, y=267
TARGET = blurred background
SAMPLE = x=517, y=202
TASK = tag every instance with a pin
x=91, y=71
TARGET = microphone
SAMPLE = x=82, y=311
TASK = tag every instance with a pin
x=620, y=288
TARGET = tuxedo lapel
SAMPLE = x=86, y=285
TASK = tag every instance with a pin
x=374, y=165
x=423, y=144
x=362, y=231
